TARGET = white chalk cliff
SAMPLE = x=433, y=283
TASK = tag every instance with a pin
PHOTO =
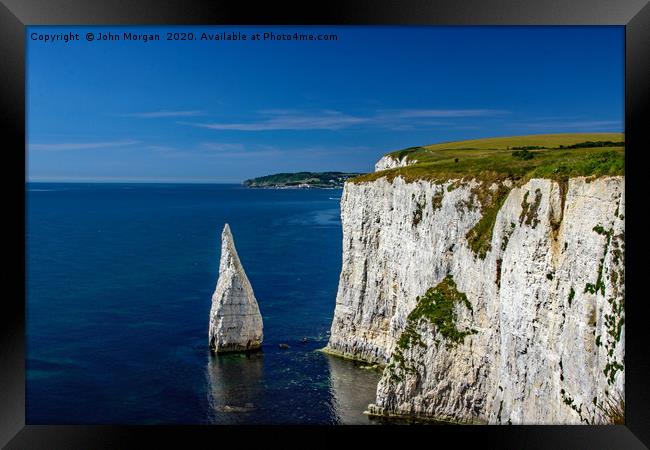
x=534, y=333
x=235, y=319
x=389, y=162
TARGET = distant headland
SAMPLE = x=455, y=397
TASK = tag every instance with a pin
x=301, y=180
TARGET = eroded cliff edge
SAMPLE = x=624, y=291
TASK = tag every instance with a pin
x=525, y=288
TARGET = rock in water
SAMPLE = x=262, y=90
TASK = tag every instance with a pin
x=235, y=319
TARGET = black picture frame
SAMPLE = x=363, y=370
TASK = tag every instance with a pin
x=16, y=14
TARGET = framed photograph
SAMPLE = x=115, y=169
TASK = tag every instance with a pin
x=351, y=220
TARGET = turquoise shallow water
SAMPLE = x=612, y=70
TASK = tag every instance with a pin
x=119, y=280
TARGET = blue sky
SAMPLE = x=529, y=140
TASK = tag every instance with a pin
x=224, y=111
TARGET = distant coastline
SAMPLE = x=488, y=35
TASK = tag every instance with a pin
x=301, y=180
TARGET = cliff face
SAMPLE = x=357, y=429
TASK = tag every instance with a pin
x=525, y=328
x=235, y=319
x=388, y=162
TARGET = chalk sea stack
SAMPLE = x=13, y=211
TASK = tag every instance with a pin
x=235, y=319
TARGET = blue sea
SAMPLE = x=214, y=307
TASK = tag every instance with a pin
x=119, y=285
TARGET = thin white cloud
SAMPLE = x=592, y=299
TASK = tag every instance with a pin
x=63, y=146
x=290, y=120
x=159, y=148
x=257, y=153
x=221, y=146
x=439, y=113
x=166, y=151
x=578, y=124
x=215, y=150
x=163, y=113
x=319, y=151
x=466, y=127
x=397, y=119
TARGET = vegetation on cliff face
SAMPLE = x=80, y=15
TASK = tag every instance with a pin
x=529, y=210
x=479, y=238
x=301, y=179
x=547, y=156
x=437, y=307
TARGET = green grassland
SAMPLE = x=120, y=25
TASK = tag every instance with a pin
x=516, y=157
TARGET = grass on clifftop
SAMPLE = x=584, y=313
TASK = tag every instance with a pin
x=517, y=157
